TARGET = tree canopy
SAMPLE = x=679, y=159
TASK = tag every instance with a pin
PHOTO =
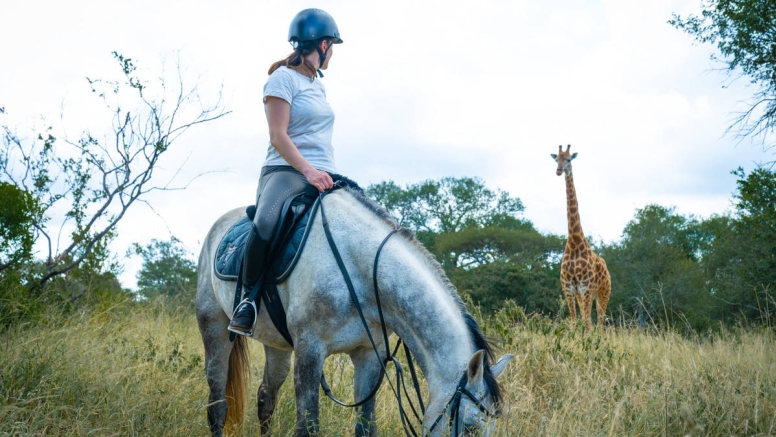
x=478, y=235
x=744, y=32
x=18, y=211
x=667, y=268
x=167, y=270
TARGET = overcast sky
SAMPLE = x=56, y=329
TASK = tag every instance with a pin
x=421, y=90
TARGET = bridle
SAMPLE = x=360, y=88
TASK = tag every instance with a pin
x=453, y=405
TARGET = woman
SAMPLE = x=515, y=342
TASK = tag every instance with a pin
x=300, y=152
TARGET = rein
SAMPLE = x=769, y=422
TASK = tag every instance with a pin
x=408, y=429
x=455, y=401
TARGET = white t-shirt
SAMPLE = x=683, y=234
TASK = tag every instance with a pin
x=312, y=120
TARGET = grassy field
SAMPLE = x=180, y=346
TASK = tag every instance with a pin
x=137, y=370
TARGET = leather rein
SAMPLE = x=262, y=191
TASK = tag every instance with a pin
x=455, y=401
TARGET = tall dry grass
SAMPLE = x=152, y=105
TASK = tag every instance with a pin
x=137, y=370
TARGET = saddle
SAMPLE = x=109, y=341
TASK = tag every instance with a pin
x=286, y=245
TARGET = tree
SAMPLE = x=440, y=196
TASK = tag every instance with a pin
x=656, y=268
x=450, y=205
x=96, y=180
x=744, y=32
x=17, y=214
x=447, y=205
x=520, y=243
x=488, y=251
x=753, y=258
x=166, y=270
x=723, y=252
x=536, y=290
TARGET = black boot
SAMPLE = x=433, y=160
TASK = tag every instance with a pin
x=254, y=265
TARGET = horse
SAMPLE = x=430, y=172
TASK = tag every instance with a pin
x=417, y=301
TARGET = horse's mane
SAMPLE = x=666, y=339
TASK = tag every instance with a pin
x=480, y=342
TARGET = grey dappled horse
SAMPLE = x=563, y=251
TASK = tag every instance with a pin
x=419, y=304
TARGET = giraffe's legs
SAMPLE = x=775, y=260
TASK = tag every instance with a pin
x=603, y=300
x=572, y=306
x=600, y=312
x=585, y=306
x=603, y=290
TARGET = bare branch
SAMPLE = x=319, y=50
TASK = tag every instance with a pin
x=101, y=179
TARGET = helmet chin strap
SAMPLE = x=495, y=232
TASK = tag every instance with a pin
x=321, y=58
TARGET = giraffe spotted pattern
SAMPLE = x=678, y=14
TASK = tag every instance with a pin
x=583, y=274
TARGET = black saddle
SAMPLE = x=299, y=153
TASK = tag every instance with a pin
x=286, y=245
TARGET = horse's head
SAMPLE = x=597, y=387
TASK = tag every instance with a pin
x=473, y=408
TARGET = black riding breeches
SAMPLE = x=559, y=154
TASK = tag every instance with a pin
x=276, y=185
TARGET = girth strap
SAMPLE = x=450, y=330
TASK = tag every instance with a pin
x=275, y=310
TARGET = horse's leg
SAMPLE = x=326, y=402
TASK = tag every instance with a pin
x=367, y=376
x=276, y=366
x=215, y=338
x=308, y=366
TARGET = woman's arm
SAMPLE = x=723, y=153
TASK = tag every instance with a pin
x=278, y=115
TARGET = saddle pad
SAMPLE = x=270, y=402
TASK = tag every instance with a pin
x=230, y=250
x=229, y=254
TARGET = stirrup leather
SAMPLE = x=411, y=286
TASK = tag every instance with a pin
x=255, y=318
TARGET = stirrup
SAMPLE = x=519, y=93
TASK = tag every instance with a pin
x=255, y=318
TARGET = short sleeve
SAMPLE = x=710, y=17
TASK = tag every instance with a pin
x=280, y=84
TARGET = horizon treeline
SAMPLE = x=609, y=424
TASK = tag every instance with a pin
x=667, y=268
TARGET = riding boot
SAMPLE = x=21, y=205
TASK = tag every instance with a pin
x=254, y=265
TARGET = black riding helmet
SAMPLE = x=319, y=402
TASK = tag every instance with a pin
x=310, y=25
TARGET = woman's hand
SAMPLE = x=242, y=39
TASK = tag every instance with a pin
x=319, y=179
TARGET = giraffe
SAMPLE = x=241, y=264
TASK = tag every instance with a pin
x=583, y=274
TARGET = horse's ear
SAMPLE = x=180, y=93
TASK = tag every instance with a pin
x=476, y=368
x=500, y=365
x=554, y=156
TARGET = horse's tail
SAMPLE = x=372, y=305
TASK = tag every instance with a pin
x=236, y=384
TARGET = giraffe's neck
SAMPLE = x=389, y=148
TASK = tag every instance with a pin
x=572, y=210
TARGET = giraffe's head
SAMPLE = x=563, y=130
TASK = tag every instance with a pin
x=563, y=159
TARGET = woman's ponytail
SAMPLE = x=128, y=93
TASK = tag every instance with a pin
x=297, y=60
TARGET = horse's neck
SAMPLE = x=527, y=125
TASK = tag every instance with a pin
x=426, y=317
x=416, y=302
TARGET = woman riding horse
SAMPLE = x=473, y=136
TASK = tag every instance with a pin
x=408, y=295
x=394, y=284
x=300, y=152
